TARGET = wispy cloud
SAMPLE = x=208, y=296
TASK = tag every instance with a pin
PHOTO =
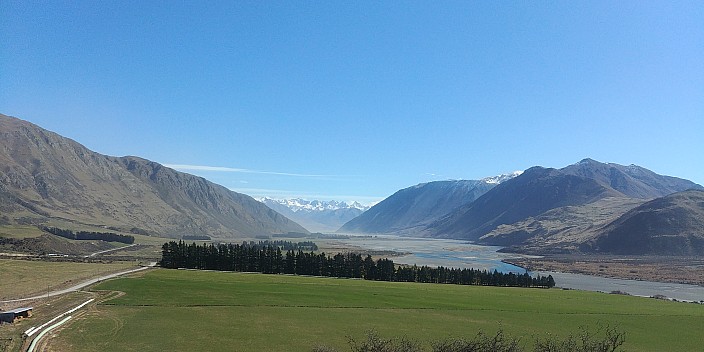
x=286, y=194
x=183, y=167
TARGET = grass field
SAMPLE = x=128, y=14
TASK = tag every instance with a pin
x=23, y=278
x=214, y=311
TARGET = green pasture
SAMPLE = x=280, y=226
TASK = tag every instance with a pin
x=181, y=310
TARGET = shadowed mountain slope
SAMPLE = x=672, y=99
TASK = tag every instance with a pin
x=44, y=175
x=671, y=225
x=416, y=206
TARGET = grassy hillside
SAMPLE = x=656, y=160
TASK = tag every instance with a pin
x=216, y=311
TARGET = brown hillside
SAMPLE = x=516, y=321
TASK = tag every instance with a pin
x=44, y=175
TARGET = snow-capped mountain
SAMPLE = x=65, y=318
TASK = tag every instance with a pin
x=316, y=215
x=501, y=178
x=298, y=204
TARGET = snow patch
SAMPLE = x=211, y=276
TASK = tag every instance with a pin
x=501, y=178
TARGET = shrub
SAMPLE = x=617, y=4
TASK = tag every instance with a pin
x=605, y=339
x=374, y=343
x=585, y=341
x=480, y=343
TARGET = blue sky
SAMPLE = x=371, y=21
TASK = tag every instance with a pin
x=355, y=100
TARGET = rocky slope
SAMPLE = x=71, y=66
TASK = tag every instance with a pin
x=560, y=230
x=44, y=175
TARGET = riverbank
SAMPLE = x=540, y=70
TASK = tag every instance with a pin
x=680, y=270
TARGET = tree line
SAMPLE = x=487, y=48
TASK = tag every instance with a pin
x=86, y=235
x=271, y=259
x=283, y=245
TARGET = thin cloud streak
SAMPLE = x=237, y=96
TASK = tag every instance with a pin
x=285, y=194
x=246, y=171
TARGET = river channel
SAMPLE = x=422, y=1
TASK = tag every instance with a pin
x=461, y=254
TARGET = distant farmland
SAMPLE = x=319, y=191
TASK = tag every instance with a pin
x=217, y=311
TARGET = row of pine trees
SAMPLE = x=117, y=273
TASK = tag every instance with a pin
x=90, y=235
x=270, y=259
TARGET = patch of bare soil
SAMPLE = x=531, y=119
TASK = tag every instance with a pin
x=684, y=270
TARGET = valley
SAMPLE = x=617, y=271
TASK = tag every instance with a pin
x=365, y=176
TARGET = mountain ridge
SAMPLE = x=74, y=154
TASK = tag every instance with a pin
x=535, y=191
x=44, y=175
x=542, y=210
x=631, y=180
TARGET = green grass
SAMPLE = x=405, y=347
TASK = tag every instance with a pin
x=212, y=311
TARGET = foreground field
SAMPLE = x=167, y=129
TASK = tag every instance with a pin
x=179, y=310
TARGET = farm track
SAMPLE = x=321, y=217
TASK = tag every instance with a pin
x=110, y=250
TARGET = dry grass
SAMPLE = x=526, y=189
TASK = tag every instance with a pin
x=19, y=231
x=23, y=278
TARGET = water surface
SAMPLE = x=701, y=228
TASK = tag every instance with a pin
x=437, y=252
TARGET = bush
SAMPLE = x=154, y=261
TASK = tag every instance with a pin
x=606, y=339
x=374, y=343
x=585, y=341
x=480, y=343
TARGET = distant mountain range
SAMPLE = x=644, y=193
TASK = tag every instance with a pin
x=315, y=215
x=574, y=209
x=45, y=177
